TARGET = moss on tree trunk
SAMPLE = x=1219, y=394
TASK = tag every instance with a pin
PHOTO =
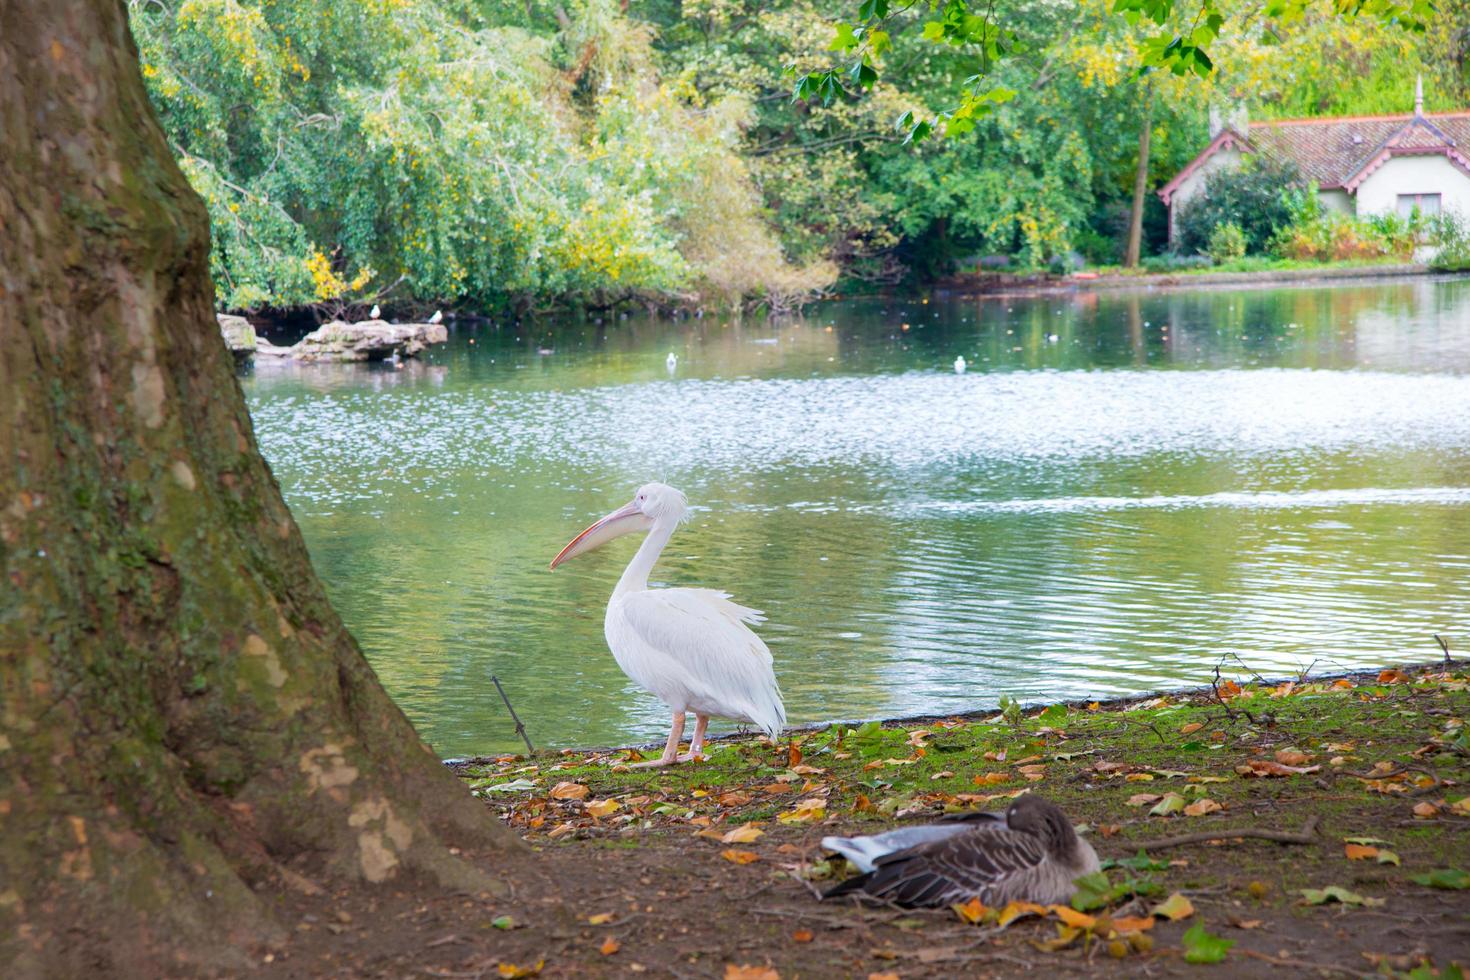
x=183, y=717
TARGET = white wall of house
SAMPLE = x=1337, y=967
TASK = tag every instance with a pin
x=1379, y=194
x=1194, y=184
x=1338, y=200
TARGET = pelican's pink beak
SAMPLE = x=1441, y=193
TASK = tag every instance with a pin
x=624, y=520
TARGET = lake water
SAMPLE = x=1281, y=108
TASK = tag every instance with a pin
x=1120, y=491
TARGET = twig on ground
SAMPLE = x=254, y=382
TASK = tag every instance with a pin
x=1229, y=711
x=1307, y=835
x=1443, y=646
x=1299, y=964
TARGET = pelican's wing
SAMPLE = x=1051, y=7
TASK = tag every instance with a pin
x=704, y=634
x=996, y=865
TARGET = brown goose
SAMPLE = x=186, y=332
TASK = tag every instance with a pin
x=1029, y=853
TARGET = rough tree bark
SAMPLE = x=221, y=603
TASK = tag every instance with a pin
x=183, y=717
x=1140, y=185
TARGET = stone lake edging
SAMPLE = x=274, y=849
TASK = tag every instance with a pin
x=1272, y=276
x=970, y=715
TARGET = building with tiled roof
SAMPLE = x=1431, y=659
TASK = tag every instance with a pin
x=1361, y=165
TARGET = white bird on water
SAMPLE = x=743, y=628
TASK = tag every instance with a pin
x=672, y=362
x=374, y=313
x=437, y=317
x=959, y=364
x=690, y=647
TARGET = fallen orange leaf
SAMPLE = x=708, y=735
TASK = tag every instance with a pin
x=1073, y=918
x=1125, y=923
x=1359, y=852
x=733, y=972
x=972, y=911
x=883, y=976
x=600, y=919
x=1425, y=810
x=1143, y=799
x=801, y=936
x=1175, y=907
x=743, y=834
x=1291, y=757
x=1191, y=728
x=793, y=754
x=569, y=791
x=1200, y=807
x=603, y=808
x=511, y=972
x=735, y=856
x=609, y=946
x=991, y=778
x=1015, y=910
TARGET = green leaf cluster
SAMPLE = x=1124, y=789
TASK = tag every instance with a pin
x=444, y=151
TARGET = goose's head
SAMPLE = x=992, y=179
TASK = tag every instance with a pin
x=1045, y=819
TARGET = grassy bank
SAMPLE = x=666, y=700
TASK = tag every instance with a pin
x=1368, y=771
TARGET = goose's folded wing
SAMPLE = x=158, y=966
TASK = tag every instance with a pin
x=985, y=864
x=866, y=850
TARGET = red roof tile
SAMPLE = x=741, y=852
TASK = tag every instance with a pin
x=1331, y=151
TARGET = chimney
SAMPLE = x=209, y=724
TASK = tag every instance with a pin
x=1240, y=119
x=1236, y=117
x=1419, y=95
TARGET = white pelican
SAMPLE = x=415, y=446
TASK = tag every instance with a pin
x=374, y=313
x=437, y=317
x=672, y=362
x=1030, y=853
x=690, y=647
x=959, y=364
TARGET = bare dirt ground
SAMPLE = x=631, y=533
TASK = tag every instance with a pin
x=711, y=870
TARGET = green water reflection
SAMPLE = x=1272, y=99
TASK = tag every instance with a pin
x=1119, y=490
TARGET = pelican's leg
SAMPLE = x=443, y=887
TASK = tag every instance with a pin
x=671, y=750
x=696, y=744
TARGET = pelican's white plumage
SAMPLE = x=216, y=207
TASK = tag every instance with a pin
x=693, y=648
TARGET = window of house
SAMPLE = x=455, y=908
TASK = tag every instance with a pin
x=1426, y=203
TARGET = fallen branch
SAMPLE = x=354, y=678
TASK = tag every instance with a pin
x=1307, y=835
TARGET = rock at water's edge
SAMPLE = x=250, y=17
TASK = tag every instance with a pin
x=367, y=340
x=239, y=335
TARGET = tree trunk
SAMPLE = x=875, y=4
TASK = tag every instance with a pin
x=183, y=717
x=1140, y=185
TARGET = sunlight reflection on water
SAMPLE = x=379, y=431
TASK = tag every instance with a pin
x=1282, y=474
